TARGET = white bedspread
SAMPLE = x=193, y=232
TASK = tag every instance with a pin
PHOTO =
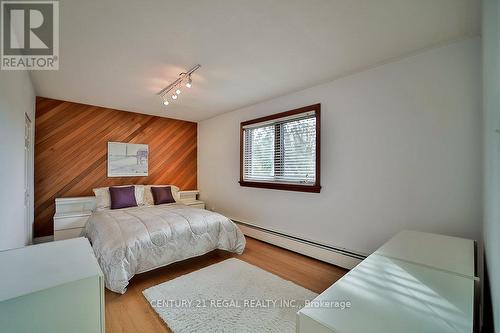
x=135, y=240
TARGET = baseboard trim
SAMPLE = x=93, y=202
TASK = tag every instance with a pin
x=339, y=257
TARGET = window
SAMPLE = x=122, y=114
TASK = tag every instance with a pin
x=282, y=151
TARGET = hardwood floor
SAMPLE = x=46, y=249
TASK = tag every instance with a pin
x=132, y=313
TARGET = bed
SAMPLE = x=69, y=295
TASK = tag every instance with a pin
x=133, y=240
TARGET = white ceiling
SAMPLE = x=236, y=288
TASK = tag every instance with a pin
x=120, y=53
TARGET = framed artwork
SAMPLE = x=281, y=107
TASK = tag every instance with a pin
x=127, y=159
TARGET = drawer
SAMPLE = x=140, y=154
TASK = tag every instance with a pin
x=198, y=205
x=67, y=233
x=70, y=222
x=188, y=196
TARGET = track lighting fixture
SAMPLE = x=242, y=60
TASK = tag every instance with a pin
x=183, y=77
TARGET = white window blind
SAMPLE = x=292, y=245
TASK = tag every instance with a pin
x=282, y=150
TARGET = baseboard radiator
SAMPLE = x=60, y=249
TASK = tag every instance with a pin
x=336, y=256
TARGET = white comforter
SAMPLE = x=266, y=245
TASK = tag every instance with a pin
x=134, y=240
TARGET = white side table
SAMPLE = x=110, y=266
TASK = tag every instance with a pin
x=190, y=198
x=71, y=216
x=70, y=224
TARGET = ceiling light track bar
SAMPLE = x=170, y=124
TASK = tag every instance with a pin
x=177, y=82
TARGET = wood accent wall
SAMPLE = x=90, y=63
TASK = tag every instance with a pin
x=71, y=152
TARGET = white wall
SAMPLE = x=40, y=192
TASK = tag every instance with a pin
x=16, y=98
x=400, y=150
x=491, y=119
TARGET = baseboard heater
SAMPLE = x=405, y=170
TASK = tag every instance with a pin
x=327, y=253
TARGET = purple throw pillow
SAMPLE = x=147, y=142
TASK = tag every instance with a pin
x=122, y=197
x=162, y=195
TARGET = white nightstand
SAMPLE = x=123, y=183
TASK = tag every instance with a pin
x=71, y=216
x=70, y=224
x=190, y=198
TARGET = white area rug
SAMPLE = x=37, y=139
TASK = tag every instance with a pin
x=230, y=296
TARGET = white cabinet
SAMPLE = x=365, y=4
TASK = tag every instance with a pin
x=413, y=283
x=52, y=287
x=452, y=254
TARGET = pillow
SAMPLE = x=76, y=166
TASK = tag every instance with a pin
x=148, y=195
x=103, y=200
x=162, y=195
x=122, y=197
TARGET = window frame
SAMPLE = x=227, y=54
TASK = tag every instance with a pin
x=316, y=187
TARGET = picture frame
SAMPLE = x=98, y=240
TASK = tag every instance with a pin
x=128, y=159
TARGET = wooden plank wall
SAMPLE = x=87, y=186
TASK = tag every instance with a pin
x=71, y=152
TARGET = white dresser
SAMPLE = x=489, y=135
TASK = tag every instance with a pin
x=52, y=287
x=416, y=282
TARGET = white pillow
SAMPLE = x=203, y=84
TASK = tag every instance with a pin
x=103, y=199
x=148, y=195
